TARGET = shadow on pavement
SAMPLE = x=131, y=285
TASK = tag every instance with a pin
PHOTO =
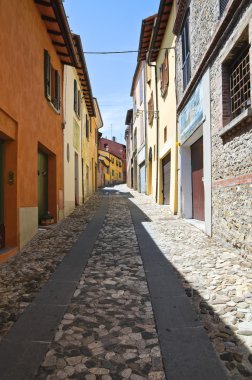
x=186, y=322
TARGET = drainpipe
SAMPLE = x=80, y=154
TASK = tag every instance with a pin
x=145, y=127
x=157, y=118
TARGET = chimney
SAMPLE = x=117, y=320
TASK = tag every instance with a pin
x=113, y=138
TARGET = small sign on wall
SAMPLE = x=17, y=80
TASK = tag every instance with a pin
x=192, y=114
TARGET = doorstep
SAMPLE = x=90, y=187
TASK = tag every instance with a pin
x=6, y=253
x=200, y=224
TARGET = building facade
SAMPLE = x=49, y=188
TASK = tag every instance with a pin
x=129, y=148
x=110, y=169
x=31, y=137
x=163, y=108
x=117, y=149
x=213, y=78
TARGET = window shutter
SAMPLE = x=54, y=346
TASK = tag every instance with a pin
x=223, y=4
x=79, y=103
x=57, y=90
x=166, y=66
x=47, y=74
x=75, y=96
x=87, y=127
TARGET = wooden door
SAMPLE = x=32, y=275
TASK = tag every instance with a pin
x=166, y=168
x=42, y=185
x=198, y=198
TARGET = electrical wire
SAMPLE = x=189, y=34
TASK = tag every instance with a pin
x=125, y=51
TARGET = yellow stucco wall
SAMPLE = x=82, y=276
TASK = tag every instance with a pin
x=115, y=170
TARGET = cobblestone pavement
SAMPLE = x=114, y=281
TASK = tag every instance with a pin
x=216, y=278
x=22, y=276
x=108, y=331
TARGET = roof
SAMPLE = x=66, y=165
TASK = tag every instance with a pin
x=115, y=142
x=160, y=27
x=129, y=117
x=82, y=71
x=144, y=42
x=145, y=37
x=53, y=14
x=98, y=112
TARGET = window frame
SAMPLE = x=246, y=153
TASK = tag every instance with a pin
x=51, y=82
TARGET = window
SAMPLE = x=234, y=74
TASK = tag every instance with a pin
x=240, y=84
x=87, y=127
x=106, y=147
x=186, y=65
x=151, y=109
x=236, y=84
x=113, y=172
x=165, y=134
x=119, y=175
x=223, y=4
x=52, y=82
x=164, y=75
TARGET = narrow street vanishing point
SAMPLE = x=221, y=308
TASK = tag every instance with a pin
x=109, y=293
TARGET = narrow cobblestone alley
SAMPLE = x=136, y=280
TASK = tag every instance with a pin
x=111, y=324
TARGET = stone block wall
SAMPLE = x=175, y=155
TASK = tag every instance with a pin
x=203, y=17
x=231, y=155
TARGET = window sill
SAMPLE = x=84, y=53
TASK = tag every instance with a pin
x=52, y=106
x=239, y=121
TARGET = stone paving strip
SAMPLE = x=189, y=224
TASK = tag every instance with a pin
x=217, y=280
x=108, y=331
x=22, y=277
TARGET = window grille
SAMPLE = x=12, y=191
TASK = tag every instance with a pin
x=240, y=84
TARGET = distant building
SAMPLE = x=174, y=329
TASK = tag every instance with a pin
x=116, y=149
x=129, y=147
x=110, y=169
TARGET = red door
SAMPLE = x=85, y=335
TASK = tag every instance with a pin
x=198, y=199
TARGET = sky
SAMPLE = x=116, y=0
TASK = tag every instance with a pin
x=110, y=25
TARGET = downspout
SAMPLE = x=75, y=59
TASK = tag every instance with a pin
x=145, y=128
x=157, y=118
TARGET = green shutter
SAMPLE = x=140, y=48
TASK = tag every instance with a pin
x=47, y=74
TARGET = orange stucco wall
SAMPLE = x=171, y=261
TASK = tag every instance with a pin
x=23, y=39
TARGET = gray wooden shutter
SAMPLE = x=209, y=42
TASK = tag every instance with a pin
x=47, y=74
x=75, y=96
x=57, y=89
x=223, y=4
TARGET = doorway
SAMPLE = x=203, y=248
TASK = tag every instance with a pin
x=166, y=170
x=198, y=197
x=142, y=178
x=76, y=178
x=42, y=185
